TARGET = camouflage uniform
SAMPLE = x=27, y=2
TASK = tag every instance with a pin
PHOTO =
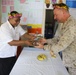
x=67, y=44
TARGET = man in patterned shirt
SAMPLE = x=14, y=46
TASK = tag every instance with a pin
x=66, y=42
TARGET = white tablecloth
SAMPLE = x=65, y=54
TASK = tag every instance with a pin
x=28, y=64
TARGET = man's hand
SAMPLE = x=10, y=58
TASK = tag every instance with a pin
x=39, y=45
x=42, y=40
x=29, y=43
x=52, y=54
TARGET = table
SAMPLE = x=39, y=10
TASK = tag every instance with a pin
x=28, y=64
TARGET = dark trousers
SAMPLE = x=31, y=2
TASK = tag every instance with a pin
x=67, y=68
x=60, y=53
x=6, y=65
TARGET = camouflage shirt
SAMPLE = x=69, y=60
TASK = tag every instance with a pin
x=66, y=43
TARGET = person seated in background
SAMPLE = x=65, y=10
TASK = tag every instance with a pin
x=10, y=32
x=66, y=42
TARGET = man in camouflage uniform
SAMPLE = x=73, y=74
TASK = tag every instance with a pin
x=66, y=41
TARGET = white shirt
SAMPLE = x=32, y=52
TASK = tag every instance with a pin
x=7, y=34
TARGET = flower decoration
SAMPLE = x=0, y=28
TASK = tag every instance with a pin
x=60, y=5
x=18, y=15
x=47, y=3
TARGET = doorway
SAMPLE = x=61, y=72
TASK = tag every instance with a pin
x=49, y=24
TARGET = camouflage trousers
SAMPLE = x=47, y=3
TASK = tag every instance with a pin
x=72, y=71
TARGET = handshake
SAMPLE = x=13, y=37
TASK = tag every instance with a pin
x=36, y=41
